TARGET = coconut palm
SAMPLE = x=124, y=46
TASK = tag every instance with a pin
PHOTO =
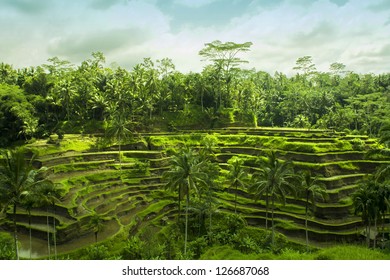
x=364, y=203
x=312, y=191
x=237, y=177
x=185, y=175
x=382, y=174
x=383, y=200
x=17, y=177
x=49, y=195
x=29, y=200
x=119, y=130
x=274, y=180
x=96, y=222
x=209, y=147
x=384, y=133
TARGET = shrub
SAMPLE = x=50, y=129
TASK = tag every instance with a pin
x=96, y=252
x=358, y=144
x=133, y=249
x=197, y=247
x=226, y=226
x=7, y=250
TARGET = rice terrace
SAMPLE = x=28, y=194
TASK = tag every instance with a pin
x=107, y=163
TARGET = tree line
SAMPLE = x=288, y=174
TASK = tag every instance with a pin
x=59, y=97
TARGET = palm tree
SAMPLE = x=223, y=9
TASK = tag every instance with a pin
x=382, y=174
x=16, y=178
x=28, y=202
x=384, y=133
x=49, y=195
x=312, y=190
x=383, y=200
x=186, y=174
x=96, y=222
x=364, y=203
x=274, y=180
x=209, y=147
x=119, y=130
x=237, y=176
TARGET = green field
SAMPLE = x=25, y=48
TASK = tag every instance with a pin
x=140, y=216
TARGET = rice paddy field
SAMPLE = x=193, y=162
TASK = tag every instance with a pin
x=126, y=189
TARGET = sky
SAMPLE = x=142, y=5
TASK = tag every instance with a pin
x=353, y=32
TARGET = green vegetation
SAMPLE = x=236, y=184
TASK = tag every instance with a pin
x=104, y=202
x=97, y=161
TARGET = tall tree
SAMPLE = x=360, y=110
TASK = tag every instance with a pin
x=17, y=177
x=186, y=175
x=274, y=180
x=312, y=191
x=364, y=203
x=119, y=130
x=29, y=200
x=237, y=177
x=97, y=223
x=225, y=58
x=49, y=195
x=306, y=65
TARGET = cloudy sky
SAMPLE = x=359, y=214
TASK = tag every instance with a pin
x=353, y=32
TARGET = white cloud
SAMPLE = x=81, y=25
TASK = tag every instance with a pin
x=194, y=3
x=349, y=32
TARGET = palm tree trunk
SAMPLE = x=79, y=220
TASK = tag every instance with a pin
x=119, y=154
x=29, y=229
x=235, y=201
x=368, y=233
x=186, y=226
x=201, y=98
x=306, y=216
x=375, y=227
x=179, y=204
x=15, y=234
x=48, y=233
x=272, y=219
x=54, y=233
x=383, y=230
x=266, y=210
x=96, y=236
x=210, y=221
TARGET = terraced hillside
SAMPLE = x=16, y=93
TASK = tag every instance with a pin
x=128, y=192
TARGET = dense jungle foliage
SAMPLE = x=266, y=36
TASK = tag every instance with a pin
x=59, y=97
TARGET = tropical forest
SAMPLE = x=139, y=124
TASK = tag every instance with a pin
x=103, y=162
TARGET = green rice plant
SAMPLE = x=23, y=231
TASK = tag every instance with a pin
x=226, y=252
x=346, y=201
x=69, y=143
x=347, y=165
x=349, y=252
x=290, y=254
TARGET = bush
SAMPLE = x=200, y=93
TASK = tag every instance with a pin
x=7, y=250
x=197, y=247
x=133, y=249
x=226, y=226
x=358, y=144
x=96, y=252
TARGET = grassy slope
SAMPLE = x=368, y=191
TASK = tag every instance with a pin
x=110, y=192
